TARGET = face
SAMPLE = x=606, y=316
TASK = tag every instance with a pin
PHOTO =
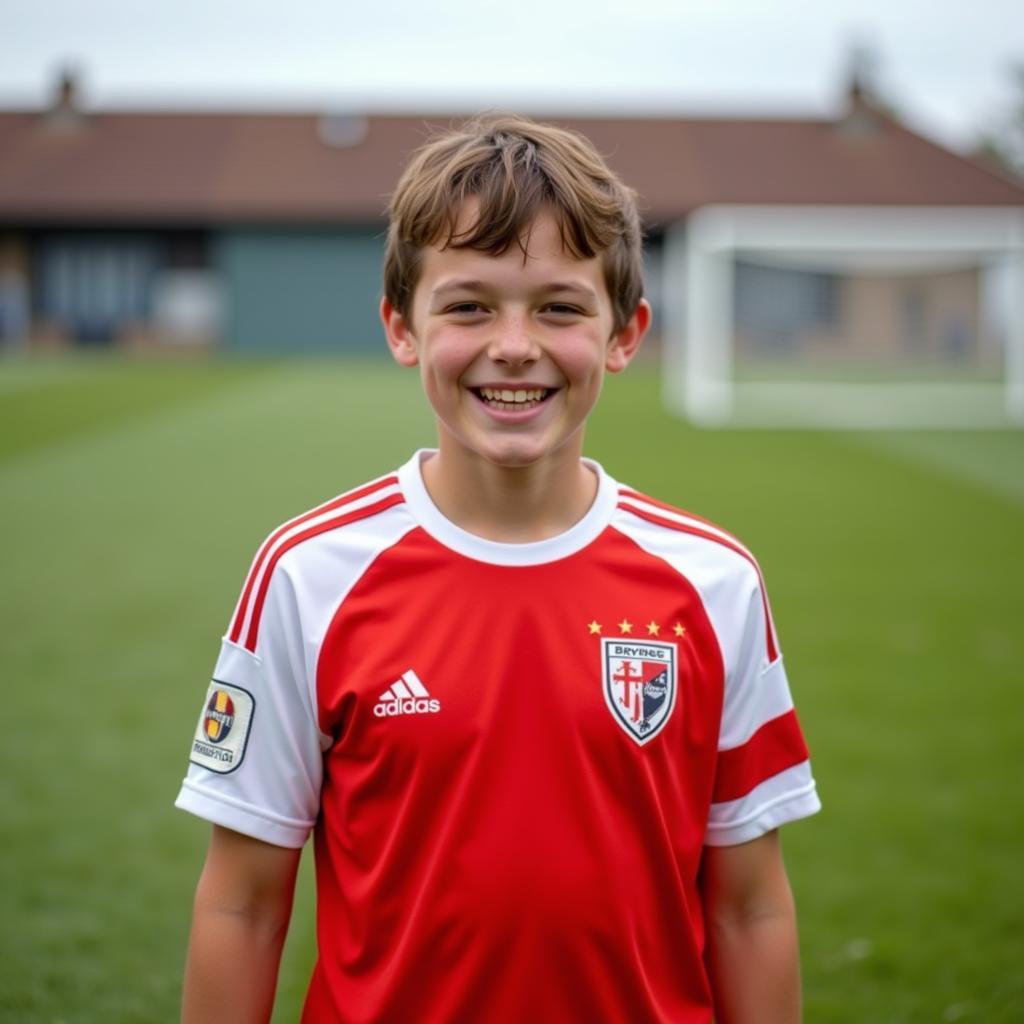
x=512, y=350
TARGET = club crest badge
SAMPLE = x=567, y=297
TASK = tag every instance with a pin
x=639, y=684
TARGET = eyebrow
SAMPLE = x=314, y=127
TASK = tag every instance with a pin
x=572, y=288
x=457, y=286
x=554, y=287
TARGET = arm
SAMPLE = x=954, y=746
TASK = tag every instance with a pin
x=240, y=917
x=752, y=953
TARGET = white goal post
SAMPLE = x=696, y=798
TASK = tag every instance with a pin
x=841, y=259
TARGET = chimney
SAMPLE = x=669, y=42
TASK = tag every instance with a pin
x=65, y=109
x=861, y=119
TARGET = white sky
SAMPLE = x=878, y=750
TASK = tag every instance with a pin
x=943, y=65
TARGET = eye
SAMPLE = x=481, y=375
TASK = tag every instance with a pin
x=562, y=309
x=465, y=308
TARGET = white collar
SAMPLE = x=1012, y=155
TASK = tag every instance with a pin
x=537, y=552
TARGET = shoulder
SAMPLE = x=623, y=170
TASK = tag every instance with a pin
x=322, y=550
x=350, y=517
x=672, y=529
x=721, y=567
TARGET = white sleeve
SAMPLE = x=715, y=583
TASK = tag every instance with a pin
x=256, y=760
x=763, y=775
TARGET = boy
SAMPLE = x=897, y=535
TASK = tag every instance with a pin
x=537, y=722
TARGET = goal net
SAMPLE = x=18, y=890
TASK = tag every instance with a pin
x=846, y=317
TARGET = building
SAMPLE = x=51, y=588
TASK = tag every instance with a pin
x=263, y=232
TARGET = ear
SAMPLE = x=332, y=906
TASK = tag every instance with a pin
x=625, y=343
x=398, y=332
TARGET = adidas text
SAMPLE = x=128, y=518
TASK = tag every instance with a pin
x=409, y=706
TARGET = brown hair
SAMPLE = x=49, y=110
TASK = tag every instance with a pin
x=514, y=167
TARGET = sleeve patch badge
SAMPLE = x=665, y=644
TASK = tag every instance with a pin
x=223, y=730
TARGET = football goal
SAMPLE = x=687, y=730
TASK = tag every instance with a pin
x=846, y=317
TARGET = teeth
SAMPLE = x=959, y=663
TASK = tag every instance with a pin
x=509, y=397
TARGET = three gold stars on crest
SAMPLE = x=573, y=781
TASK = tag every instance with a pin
x=626, y=628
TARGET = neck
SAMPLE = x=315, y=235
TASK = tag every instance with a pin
x=514, y=505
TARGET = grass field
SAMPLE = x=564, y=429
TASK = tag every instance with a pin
x=133, y=495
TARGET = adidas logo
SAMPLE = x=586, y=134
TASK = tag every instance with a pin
x=406, y=696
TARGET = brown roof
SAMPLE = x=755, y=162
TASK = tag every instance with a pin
x=231, y=167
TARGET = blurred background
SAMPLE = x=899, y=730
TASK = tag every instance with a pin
x=833, y=200
x=192, y=205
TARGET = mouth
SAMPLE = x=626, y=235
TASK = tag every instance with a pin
x=513, y=399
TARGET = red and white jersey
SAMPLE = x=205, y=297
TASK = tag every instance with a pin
x=511, y=755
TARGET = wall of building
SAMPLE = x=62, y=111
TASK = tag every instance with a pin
x=917, y=317
x=872, y=319
x=301, y=291
x=15, y=302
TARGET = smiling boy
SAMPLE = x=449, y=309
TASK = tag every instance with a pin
x=537, y=722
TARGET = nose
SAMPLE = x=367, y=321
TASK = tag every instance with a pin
x=513, y=342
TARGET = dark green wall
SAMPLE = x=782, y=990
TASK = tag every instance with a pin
x=302, y=291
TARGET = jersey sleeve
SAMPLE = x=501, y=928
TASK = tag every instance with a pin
x=763, y=773
x=256, y=758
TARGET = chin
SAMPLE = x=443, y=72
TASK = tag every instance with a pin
x=511, y=452
x=518, y=453
x=513, y=456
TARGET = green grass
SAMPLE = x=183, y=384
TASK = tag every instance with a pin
x=133, y=495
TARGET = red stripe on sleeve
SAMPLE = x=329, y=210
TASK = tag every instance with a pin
x=312, y=531
x=630, y=494
x=261, y=555
x=773, y=650
x=776, y=746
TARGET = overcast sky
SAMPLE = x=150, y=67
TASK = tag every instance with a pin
x=944, y=66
